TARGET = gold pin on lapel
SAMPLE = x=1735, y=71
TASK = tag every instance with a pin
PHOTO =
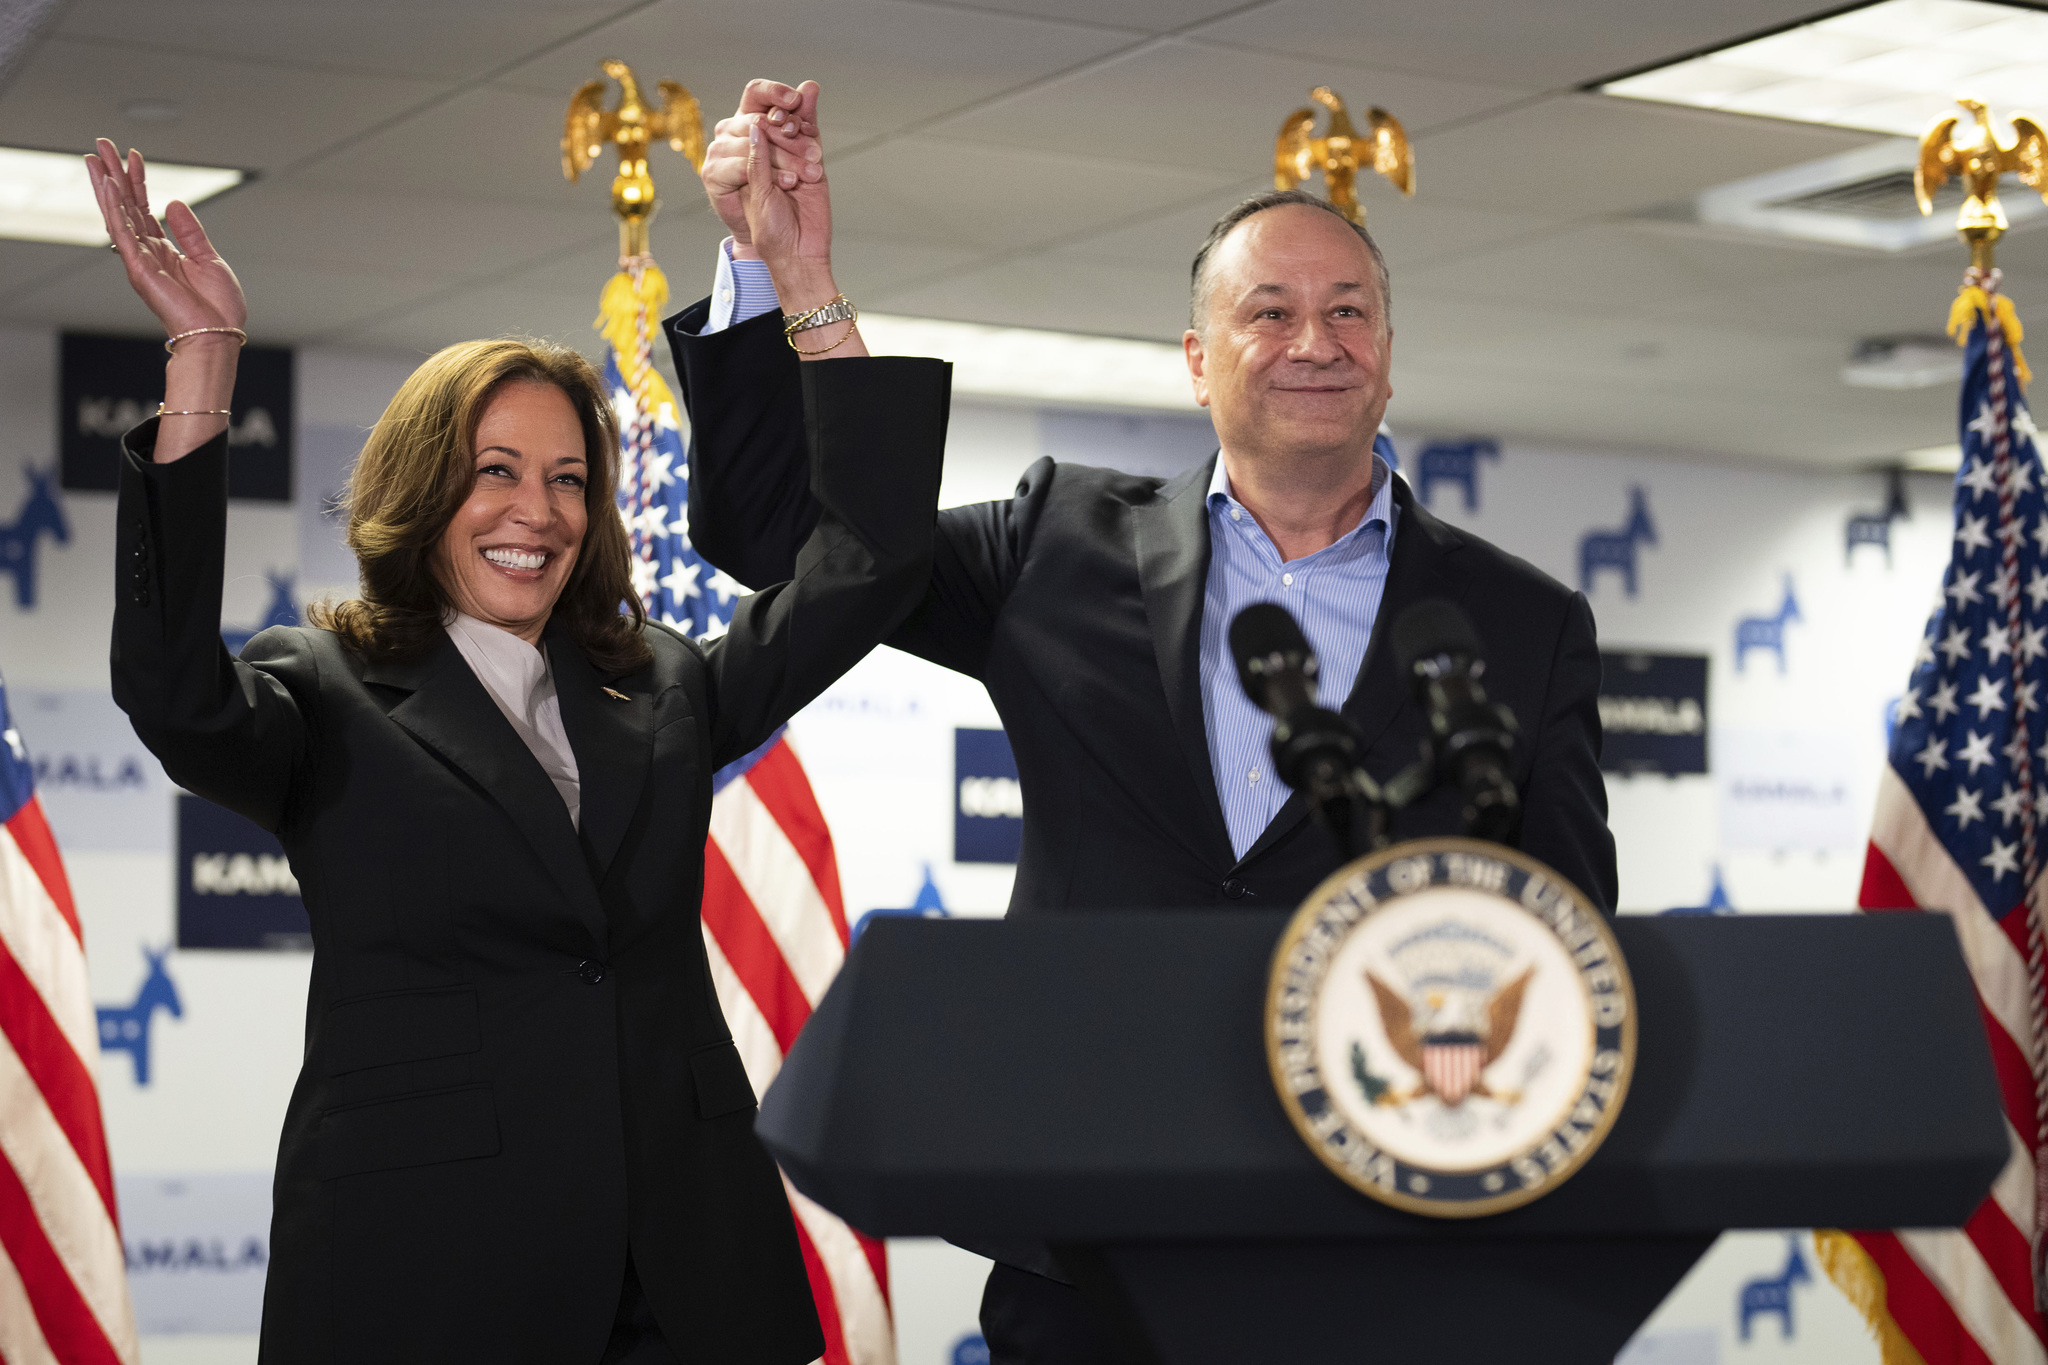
x=616, y=696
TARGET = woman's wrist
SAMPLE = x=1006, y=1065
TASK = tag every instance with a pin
x=199, y=387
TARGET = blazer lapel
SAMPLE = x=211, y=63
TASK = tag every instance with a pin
x=1424, y=566
x=614, y=744
x=1172, y=542
x=449, y=712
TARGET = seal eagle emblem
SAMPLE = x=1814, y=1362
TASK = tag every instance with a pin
x=1450, y=1026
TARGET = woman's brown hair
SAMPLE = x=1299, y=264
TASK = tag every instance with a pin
x=419, y=467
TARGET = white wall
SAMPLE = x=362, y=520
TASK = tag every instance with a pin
x=878, y=748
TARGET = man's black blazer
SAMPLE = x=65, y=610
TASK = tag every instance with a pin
x=516, y=1067
x=1078, y=603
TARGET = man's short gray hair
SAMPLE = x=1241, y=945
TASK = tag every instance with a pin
x=1198, y=300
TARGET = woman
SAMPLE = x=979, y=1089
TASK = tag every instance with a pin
x=522, y=1132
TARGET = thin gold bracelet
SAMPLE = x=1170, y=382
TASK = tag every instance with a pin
x=240, y=336
x=161, y=411
x=852, y=325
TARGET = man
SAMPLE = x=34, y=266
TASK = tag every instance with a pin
x=1095, y=605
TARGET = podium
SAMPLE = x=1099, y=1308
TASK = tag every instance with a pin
x=1098, y=1083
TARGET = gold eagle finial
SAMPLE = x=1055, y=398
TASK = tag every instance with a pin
x=1341, y=153
x=1978, y=159
x=635, y=126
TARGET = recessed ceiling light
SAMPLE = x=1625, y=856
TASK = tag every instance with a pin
x=1933, y=459
x=152, y=111
x=1891, y=67
x=1904, y=362
x=1024, y=364
x=47, y=196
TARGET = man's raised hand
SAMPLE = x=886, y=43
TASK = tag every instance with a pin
x=788, y=114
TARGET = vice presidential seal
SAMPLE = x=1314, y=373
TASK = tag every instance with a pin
x=1451, y=1027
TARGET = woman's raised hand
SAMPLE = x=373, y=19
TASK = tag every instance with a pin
x=187, y=290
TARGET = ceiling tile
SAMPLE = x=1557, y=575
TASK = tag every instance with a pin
x=880, y=63
x=1541, y=44
x=287, y=303
x=1573, y=156
x=446, y=41
x=24, y=265
x=956, y=194
x=1179, y=103
x=1066, y=292
x=1149, y=16
x=235, y=113
x=287, y=221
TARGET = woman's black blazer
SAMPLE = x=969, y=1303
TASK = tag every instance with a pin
x=515, y=1064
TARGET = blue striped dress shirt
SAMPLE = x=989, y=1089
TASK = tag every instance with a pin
x=1335, y=594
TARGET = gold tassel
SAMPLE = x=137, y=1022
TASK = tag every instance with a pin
x=619, y=311
x=1862, y=1283
x=1971, y=304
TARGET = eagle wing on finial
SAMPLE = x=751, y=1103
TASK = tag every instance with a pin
x=1398, y=1021
x=1502, y=1012
x=586, y=131
x=1937, y=163
x=1294, y=150
x=2030, y=155
x=1391, y=155
x=681, y=121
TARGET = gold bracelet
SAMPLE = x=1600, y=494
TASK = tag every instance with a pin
x=852, y=325
x=196, y=412
x=241, y=337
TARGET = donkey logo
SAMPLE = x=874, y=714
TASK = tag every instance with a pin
x=281, y=613
x=1717, y=900
x=1875, y=528
x=1766, y=632
x=1617, y=549
x=125, y=1028
x=1454, y=462
x=1773, y=1293
x=41, y=514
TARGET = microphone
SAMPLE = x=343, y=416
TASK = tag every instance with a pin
x=1436, y=648
x=1315, y=750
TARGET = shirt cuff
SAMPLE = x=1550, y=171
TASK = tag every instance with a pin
x=741, y=290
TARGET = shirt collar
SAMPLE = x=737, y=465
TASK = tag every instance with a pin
x=1380, y=510
x=505, y=663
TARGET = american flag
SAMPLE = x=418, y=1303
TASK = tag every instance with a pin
x=774, y=924
x=1959, y=810
x=63, y=1279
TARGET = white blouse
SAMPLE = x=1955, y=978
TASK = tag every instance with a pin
x=517, y=676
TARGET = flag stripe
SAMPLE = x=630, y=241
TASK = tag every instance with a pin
x=750, y=1032
x=34, y=930
x=32, y=835
x=1928, y=1320
x=863, y=1313
x=2013, y=1191
x=67, y=1321
x=2006, y=1257
x=21, y=1340
x=778, y=780
x=1921, y=863
x=1957, y=1268
x=779, y=885
x=750, y=949
x=59, y=1076
x=62, y=1202
x=821, y=1293
x=2015, y=1077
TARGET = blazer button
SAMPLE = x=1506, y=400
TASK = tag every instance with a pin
x=591, y=970
x=1236, y=889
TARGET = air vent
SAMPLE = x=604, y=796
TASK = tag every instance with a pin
x=1882, y=198
x=1861, y=199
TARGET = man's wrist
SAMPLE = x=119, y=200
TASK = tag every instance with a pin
x=742, y=251
x=803, y=285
